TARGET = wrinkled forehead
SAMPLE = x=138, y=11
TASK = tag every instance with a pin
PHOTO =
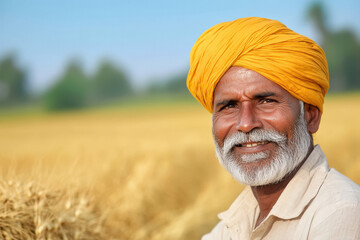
x=246, y=83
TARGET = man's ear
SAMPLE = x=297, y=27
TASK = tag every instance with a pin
x=312, y=117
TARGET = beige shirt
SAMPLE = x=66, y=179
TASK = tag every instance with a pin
x=318, y=203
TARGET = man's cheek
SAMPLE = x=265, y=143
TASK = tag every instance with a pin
x=219, y=137
x=222, y=130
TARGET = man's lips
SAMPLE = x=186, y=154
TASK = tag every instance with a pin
x=251, y=144
x=252, y=147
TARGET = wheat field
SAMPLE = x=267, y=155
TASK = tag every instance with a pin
x=145, y=172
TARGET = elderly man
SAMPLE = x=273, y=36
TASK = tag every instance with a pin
x=265, y=86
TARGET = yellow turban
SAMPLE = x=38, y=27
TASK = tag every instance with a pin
x=265, y=46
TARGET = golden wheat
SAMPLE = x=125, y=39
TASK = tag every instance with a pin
x=149, y=173
x=29, y=212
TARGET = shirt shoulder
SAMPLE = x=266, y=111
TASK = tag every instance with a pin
x=336, y=192
x=339, y=189
x=337, y=205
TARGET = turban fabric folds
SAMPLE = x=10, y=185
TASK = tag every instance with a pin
x=268, y=47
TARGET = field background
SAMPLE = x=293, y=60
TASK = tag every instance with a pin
x=149, y=169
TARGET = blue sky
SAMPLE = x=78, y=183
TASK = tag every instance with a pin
x=149, y=39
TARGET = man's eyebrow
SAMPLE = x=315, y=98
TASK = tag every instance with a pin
x=256, y=96
x=264, y=94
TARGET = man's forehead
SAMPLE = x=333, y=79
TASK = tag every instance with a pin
x=239, y=80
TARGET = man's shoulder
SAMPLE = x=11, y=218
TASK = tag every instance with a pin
x=340, y=189
x=337, y=195
x=336, y=209
x=335, y=187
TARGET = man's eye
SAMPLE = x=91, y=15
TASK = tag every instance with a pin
x=230, y=105
x=227, y=106
x=267, y=100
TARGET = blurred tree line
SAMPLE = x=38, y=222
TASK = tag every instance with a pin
x=76, y=89
x=174, y=84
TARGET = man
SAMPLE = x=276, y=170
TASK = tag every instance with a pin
x=265, y=86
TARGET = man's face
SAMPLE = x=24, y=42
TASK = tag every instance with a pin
x=259, y=129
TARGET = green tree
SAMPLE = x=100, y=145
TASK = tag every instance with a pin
x=12, y=81
x=110, y=82
x=70, y=91
x=342, y=50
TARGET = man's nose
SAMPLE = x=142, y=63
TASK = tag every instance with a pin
x=248, y=119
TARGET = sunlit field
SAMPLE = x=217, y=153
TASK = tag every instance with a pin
x=141, y=172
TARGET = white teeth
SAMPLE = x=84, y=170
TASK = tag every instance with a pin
x=253, y=144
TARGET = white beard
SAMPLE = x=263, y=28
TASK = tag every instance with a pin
x=291, y=152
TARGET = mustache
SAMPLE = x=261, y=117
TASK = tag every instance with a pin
x=256, y=135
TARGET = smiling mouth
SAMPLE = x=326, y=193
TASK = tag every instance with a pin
x=251, y=144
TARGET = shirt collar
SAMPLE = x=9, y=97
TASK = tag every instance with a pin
x=303, y=187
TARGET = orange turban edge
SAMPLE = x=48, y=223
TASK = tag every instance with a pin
x=266, y=46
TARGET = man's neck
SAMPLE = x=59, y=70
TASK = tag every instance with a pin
x=268, y=195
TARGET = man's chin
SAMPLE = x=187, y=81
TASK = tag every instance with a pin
x=256, y=158
x=254, y=174
x=259, y=170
